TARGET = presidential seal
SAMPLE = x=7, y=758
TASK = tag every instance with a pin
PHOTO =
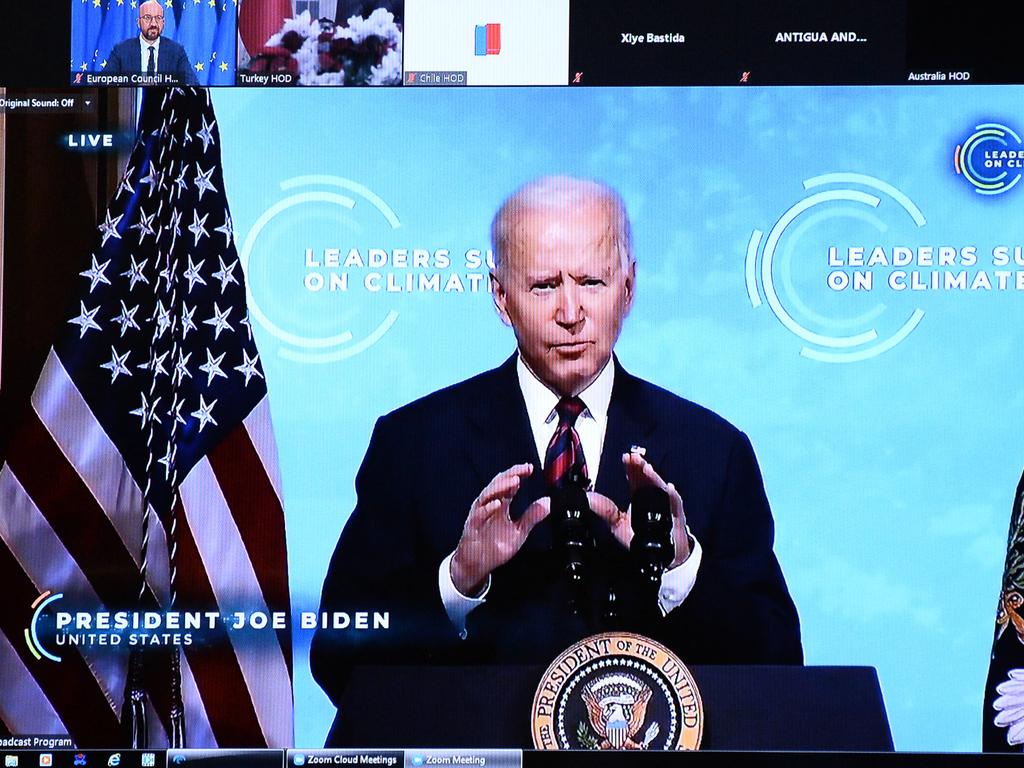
x=617, y=691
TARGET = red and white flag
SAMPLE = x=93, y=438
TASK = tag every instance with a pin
x=148, y=449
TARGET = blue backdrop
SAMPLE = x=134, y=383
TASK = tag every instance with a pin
x=888, y=420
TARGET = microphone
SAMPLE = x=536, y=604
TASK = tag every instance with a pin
x=570, y=511
x=652, y=549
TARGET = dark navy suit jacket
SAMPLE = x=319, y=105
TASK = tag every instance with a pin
x=428, y=461
x=126, y=58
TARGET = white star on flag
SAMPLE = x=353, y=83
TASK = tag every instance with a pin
x=203, y=183
x=146, y=412
x=168, y=459
x=85, y=320
x=248, y=367
x=175, y=410
x=135, y=273
x=212, y=367
x=227, y=230
x=225, y=274
x=198, y=227
x=204, y=414
x=206, y=134
x=117, y=366
x=181, y=367
x=219, y=321
x=127, y=318
x=248, y=325
x=142, y=411
x=126, y=183
x=157, y=364
x=145, y=225
x=175, y=225
x=187, y=323
x=180, y=181
x=95, y=274
x=109, y=228
x=165, y=275
x=193, y=276
x=163, y=319
x=151, y=178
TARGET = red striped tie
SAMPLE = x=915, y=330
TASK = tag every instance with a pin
x=564, y=458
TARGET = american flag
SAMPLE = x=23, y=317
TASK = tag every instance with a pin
x=145, y=474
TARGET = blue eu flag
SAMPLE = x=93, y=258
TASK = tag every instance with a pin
x=86, y=21
x=197, y=28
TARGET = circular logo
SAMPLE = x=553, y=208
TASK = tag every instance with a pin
x=617, y=691
x=356, y=200
x=850, y=195
x=991, y=158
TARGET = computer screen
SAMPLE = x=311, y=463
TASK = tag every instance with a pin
x=509, y=377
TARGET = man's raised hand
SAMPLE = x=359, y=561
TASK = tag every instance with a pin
x=490, y=538
x=640, y=473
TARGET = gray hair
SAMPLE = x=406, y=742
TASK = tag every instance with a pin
x=559, y=193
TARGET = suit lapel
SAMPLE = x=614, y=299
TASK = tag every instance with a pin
x=629, y=423
x=164, y=58
x=501, y=434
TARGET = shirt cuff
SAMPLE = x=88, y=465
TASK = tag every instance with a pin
x=457, y=605
x=677, y=582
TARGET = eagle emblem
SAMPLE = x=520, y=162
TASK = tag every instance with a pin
x=617, y=707
x=617, y=691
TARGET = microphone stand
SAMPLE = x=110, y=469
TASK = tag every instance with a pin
x=570, y=513
x=651, y=549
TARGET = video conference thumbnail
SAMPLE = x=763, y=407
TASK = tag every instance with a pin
x=262, y=42
x=133, y=42
x=318, y=42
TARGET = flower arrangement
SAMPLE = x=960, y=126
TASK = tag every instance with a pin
x=360, y=52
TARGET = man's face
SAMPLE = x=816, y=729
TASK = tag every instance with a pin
x=151, y=21
x=565, y=291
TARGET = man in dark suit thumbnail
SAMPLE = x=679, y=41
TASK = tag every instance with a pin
x=451, y=533
x=151, y=53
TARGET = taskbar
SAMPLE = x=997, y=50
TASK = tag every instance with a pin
x=476, y=758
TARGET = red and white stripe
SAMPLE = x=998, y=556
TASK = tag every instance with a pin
x=70, y=521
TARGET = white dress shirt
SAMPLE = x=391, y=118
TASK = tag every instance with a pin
x=591, y=425
x=146, y=45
